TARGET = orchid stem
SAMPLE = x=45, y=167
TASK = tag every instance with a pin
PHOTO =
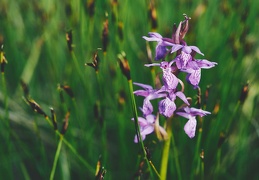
x=176, y=159
x=166, y=148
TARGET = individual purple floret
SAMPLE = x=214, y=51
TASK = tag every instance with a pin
x=193, y=70
x=161, y=49
x=167, y=106
x=147, y=126
x=190, y=114
x=169, y=79
x=186, y=55
x=149, y=93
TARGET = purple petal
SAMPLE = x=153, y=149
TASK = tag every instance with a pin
x=142, y=121
x=187, y=49
x=151, y=38
x=144, y=86
x=205, y=64
x=147, y=107
x=194, y=77
x=141, y=93
x=160, y=52
x=183, y=114
x=166, y=107
x=150, y=118
x=156, y=96
x=170, y=80
x=196, y=49
x=147, y=130
x=196, y=112
x=143, y=137
x=193, y=65
x=190, y=127
x=176, y=47
x=178, y=62
x=185, y=58
x=167, y=42
x=182, y=97
x=155, y=34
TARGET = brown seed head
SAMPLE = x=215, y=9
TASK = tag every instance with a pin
x=124, y=65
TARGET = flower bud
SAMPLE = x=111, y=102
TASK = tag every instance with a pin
x=244, y=93
x=54, y=119
x=95, y=63
x=124, y=65
x=69, y=39
x=221, y=140
x=3, y=60
x=153, y=15
x=91, y=7
x=68, y=90
x=105, y=33
x=36, y=107
x=65, y=123
x=202, y=155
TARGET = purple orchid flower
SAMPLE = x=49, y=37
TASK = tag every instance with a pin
x=190, y=114
x=162, y=43
x=167, y=106
x=185, y=56
x=149, y=93
x=147, y=126
x=194, y=70
x=169, y=79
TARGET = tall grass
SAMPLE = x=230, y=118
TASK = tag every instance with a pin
x=100, y=133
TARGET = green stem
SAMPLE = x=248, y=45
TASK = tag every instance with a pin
x=81, y=75
x=202, y=169
x=176, y=159
x=135, y=114
x=154, y=168
x=53, y=170
x=196, y=162
x=166, y=148
x=24, y=171
x=6, y=121
x=218, y=160
x=87, y=165
x=233, y=116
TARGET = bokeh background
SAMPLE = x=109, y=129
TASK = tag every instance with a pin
x=33, y=34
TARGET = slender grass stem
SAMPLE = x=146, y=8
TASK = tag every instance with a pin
x=6, y=119
x=233, y=116
x=79, y=70
x=102, y=114
x=166, y=148
x=87, y=165
x=196, y=164
x=154, y=168
x=135, y=114
x=202, y=169
x=24, y=171
x=54, y=166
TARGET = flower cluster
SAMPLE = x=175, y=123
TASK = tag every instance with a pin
x=185, y=62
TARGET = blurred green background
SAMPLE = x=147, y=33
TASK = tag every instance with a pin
x=34, y=37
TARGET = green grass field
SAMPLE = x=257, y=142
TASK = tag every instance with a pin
x=47, y=69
